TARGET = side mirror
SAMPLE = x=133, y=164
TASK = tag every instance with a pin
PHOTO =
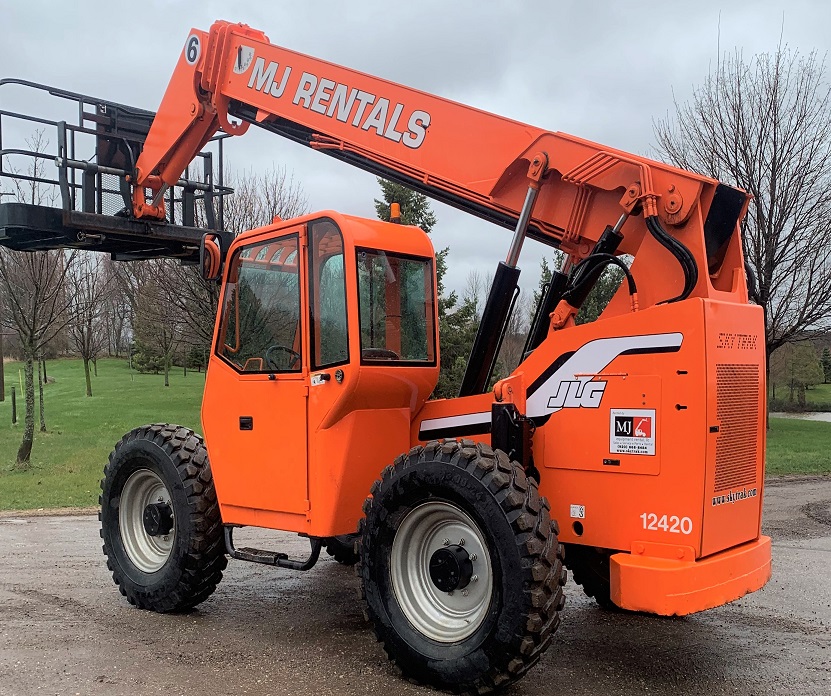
x=210, y=257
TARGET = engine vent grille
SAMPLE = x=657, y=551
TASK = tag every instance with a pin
x=737, y=395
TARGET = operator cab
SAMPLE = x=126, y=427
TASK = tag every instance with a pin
x=324, y=322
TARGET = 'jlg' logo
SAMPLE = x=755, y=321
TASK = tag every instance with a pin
x=578, y=394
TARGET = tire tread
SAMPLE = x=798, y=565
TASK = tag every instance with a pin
x=535, y=534
x=204, y=561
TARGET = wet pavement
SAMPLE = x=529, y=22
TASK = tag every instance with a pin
x=65, y=629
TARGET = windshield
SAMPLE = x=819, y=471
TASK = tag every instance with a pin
x=396, y=308
x=260, y=329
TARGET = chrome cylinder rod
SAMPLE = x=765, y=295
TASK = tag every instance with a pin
x=521, y=227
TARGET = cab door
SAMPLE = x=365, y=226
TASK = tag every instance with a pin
x=255, y=408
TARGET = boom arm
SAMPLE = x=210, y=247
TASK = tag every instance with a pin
x=562, y=190
x=474, y=160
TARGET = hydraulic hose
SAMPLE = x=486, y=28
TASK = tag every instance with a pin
x=680, y=252
x=601, y=261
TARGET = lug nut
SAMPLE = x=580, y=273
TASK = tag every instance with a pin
x=474, y=578
x=465, y=593
x=446, y=542
x=474, y=557
x=462, y=541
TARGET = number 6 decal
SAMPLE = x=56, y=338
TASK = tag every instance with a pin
x=193, y=48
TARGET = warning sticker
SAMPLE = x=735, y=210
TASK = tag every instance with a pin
x=578, y=511
x=632, y=431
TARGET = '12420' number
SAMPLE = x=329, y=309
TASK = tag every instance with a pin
x=664, y=523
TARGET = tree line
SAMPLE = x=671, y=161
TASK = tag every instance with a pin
x=158, y=313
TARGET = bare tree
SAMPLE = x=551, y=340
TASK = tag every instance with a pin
x=41, y=380
x=193, y=301
x=36, y=308
x=169, y=307
x=33, y=293
x=259, y=198
x=31, y=188
x=157, y=326
x=765, y=125
x=796, y=367
x=156, y=322
x=510, y=353
x=88, y=286
x=476, y=290
x=117, y=311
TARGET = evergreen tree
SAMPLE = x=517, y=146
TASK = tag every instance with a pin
x=457, y=330
x=601, y=294
x=415, y=210
x=826, y=364
x=415, y=207
x=146, y=358
x=545, y=277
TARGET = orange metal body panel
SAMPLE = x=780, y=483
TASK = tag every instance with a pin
x=575, y=442
x=679, y=587
x=266, y=466
x=314, y=449
x=736, y=406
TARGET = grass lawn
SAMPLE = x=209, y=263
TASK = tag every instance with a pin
x=818, y=394
x=67, y=461
x=798, y=447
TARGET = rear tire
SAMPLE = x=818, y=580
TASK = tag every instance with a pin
x=173, y=560
x=342, y=548
x=464, y=506
x=590, y=568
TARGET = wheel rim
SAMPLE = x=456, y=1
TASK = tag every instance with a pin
x=148, y=553
x=446, y=617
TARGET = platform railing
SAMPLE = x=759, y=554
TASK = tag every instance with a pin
x=98, y=182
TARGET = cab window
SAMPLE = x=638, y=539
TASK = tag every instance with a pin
x=395, y=297
x=330, y=344
x=260, y=329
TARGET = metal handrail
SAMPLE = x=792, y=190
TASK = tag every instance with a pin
x=72, y=96
x=126, y=123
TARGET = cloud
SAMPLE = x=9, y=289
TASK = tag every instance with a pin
x=600, y=70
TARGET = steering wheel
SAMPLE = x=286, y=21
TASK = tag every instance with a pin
x=379, y=354
x=270, y=358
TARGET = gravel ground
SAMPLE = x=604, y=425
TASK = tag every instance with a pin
x=64, y=629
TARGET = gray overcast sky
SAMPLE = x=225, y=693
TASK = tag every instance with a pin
x=600, y=70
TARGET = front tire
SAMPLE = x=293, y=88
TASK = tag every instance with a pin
x=160, y=520
x=460, y=567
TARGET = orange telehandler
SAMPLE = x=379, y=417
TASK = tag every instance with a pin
x=641, y=433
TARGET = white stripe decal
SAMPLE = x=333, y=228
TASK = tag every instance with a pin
x=483, y=418
x=587, y=361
